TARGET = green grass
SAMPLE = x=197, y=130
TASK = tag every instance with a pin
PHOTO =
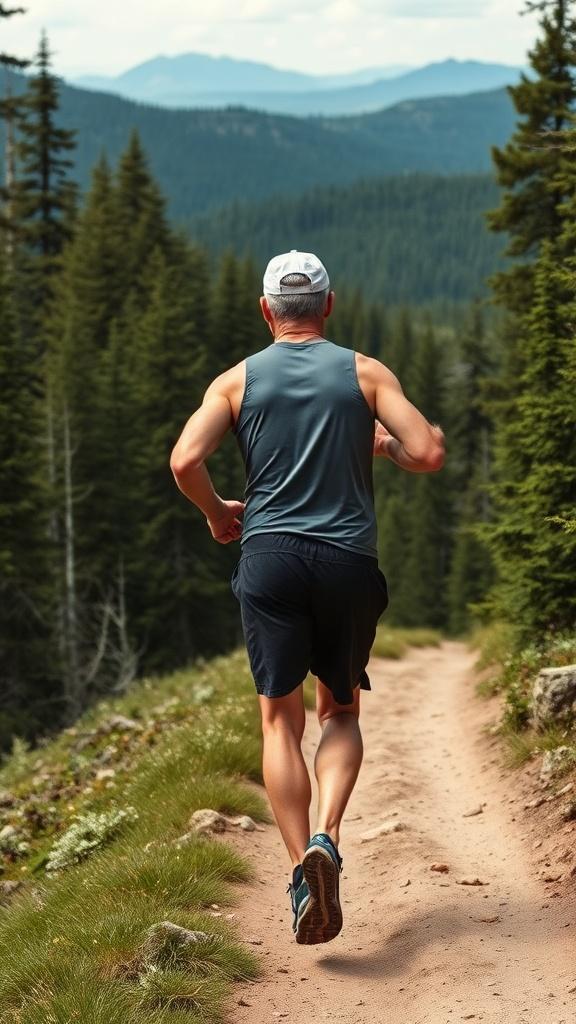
x=72, y=943
x=522, y=745
x=512, y=671
x=393, y=642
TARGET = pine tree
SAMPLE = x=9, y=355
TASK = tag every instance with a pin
x=393, y=541
x=177, y=592
x=470, y=438
x=11, y=112
x=536, y=466
x=140, y=213
x=529, y=479
x=527, y=167
x=26, y=664
x=377, y=339
x=85, y=300
x=402, y=349
x=422, y=597
x=45, y=196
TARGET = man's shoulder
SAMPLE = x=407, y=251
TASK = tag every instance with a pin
x=235, y=375
x=373, y=367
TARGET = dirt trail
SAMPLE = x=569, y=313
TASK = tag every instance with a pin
x=432, y=951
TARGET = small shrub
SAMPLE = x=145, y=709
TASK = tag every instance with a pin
x=13, y=846
x=516, y=668
x=516, y=708
x=87, y=833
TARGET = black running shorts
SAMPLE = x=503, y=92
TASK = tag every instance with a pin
x=307, y=605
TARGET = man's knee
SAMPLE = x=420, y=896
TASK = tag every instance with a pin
x=283, y=714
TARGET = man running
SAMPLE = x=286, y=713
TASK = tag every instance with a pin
x=308, y=416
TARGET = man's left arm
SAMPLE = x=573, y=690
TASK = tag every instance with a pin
x=200, y=438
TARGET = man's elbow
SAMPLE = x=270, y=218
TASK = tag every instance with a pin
x=181, y=462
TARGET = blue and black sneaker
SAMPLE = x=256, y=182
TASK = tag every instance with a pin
x=321, y=867
x=299, y=897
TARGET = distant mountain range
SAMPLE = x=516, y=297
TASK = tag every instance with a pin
x=197, y=74
x=203, y=159
x=198, y=80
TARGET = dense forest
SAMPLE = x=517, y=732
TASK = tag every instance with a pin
x=416, y=239
x=206, y=158
x=112, y=322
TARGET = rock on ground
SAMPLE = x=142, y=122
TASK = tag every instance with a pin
x=164, y=937
x=554, y=696
x=207, y=820
x=555, y=761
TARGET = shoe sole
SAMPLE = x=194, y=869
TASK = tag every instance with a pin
x=322, y=919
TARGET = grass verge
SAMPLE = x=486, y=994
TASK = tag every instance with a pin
x=70, y=939
x=511, y=672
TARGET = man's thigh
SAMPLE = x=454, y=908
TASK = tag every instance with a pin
x=272, y=588
x=348, y=600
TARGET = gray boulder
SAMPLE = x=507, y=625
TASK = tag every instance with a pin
x=555, y=762
x=554, y=696
x=165, y=939
x=206, y=820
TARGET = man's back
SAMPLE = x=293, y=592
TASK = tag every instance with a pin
x=306, y=434
x=308, y=582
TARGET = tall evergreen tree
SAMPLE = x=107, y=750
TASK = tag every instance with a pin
x=422, y=592
x=26, y=663
x=470, y=439
x=536, y=460
x=11, y=112
x=175, y=590
x=530, y=476
x=99, y=294
x=527, y=167
x=45, y=195
x=140, y=213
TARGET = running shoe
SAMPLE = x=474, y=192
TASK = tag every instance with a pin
x=321, y=867
x=299, y=897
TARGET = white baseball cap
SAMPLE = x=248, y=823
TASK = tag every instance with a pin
x=295, y=262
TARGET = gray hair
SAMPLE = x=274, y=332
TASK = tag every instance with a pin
x=307, y=306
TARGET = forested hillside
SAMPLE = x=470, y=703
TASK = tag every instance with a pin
x=205, y=158
x=113, y=321
x=416, y=239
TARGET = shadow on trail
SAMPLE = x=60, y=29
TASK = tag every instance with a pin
x=436, y=928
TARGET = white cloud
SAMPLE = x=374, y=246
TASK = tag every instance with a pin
x=107, y=36
x=341, y=10
x=437, y=8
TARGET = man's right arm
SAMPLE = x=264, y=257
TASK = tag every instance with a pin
x=412, y=443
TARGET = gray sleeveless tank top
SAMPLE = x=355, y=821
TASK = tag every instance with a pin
x=306, y=435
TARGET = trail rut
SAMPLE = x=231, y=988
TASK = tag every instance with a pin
x=417, y=947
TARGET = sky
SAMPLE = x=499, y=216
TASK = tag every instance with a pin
x=324, y=36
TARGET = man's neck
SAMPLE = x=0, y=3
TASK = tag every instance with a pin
x=299, y=331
